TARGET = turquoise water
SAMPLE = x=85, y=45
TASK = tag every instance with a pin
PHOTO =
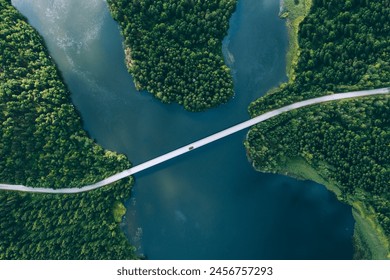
x=209, y=204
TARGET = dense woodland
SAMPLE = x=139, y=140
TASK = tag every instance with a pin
x=174, y=49
x=345, y=46
x=42, y=144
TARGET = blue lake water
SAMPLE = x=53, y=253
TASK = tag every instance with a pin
x=210, y=203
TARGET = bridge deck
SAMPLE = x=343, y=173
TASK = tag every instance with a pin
x=197, y=144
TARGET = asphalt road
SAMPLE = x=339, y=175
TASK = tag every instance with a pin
x=197, y=144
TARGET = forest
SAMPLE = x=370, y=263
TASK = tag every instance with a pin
x=42, y=144
x=344, y=46
x=174, y=49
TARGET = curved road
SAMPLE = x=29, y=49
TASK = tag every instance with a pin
x=199, y=143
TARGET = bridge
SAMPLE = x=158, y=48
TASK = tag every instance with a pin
x=197, y=144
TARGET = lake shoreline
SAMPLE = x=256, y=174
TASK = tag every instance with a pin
x=294, y=15
x=188, y=209
x=370, y=241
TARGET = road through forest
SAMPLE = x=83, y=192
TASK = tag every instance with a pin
x=197, y=144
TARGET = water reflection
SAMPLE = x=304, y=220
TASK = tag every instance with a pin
x=209, y=204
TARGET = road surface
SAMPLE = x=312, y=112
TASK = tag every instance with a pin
x=199, y=143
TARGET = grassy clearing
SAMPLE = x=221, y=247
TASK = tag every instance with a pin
x=300, y=169
x=119, y=210
x=295, y=12
x=370, y=240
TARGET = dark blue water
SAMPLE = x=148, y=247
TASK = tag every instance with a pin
x=209, y=204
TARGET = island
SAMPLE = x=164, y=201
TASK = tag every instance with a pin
x=336, y=46
x=42, y=144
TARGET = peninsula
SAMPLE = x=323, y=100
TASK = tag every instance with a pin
x=42, y=144
x=344, y=145
x=174, y=49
